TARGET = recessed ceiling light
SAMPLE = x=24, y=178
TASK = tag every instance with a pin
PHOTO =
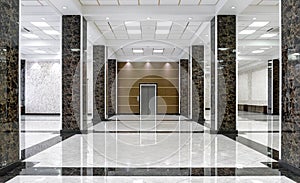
x=107, y=18
x=137, y=50
x=51, y=32
x=254, y=18
x=258, y=51
x=246, y=32
x=40, y=51
x=233, y=7
x=132, y=24
x=158, y=50
x=64, y=7
x=162, y=31
x=258, y=24
x=148, y=18
x=40, y=24
x=206, y=35
x=268, y=35
x=164, y=24
x=30, y=36
x=134, y=31
x=190, y=18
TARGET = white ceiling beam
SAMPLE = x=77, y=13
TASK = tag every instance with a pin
x=127, y=42
x=125, y=12
x=261, y=10
x=40, y=43
x=40, y=57
x=37, y=10
x=255, y=58
x=258, y=42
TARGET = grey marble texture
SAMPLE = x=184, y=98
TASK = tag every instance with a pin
x=43, y=87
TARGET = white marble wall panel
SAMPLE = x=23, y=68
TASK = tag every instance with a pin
x=42, y=87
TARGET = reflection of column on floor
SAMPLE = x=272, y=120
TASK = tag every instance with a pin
x=290, y=139
x=9, y=86
x=198, y=83
x=98, y=83
x=223, y=74
x=184, y=87
x=273, y=87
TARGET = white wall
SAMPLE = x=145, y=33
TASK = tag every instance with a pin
x=42, y=87
x=253, y=87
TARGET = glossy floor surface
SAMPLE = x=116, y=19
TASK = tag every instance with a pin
x=157, y=149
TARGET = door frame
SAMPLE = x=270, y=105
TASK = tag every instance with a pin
x=140, y=91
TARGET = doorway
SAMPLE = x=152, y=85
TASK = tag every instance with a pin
x=148, y=103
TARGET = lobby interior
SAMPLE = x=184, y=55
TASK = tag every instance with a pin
x=149, y=91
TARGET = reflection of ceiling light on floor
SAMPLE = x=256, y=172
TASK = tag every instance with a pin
x=247, y=32
x=258, y=24
x=51, y=32
x=258, y=51
x=40, y=24
x=268, y=35
x=40, y=51
x=30, y=36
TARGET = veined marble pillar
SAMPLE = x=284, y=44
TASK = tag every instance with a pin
x=99, y=83
x=9, y=82
x=290, y=139
x=198, y=83
x=223, y=74
x=74, y=76
x=184, y=87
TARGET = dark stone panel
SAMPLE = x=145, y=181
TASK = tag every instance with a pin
x=253, y=108
x=9, y=82
x=184, y=87
x=225, y=73
x=212, y=73
x=276, y=85
x=198, y=83
x=22, y=87
x=99, y=83
x=111, y=87
x=290, y=143
x=71, y=55
x=84, y=74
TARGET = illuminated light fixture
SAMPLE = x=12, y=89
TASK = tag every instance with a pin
x=30, y=36
x=39, y=51
x=134, y=31
x=258, y=51
x=107, y=18
x=132, y=24
x=158, y=51
x=148, y=18
x=75, y=49
x=162, y=31
x=264, y=48
x=233, y=7
x=51, y=32
x=247, y=32
x=268, y=35
x=254, y=18
x=258, y=24
x=64, y=7
x=223, y=49
x=190, y=18
x=40, y=24
x=164, y=24
x=137, y=50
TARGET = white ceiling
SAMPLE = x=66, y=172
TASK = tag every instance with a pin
x=188, y=24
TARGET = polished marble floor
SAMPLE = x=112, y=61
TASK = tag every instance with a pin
x=130, y=148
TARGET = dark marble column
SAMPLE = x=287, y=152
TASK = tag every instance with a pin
x=99, y=83
x=184, y=87
x=290, y=139
x=273, y=87
x=223, y=74
x=111, y=87
x=9, y=82
x=198, y=83
x=74, y=84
